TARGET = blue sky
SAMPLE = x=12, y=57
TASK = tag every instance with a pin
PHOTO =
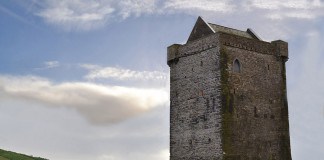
x=83, y=79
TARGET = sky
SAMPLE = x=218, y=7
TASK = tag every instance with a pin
x=88, y=79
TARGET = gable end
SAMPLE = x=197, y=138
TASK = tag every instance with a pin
x=200, y=29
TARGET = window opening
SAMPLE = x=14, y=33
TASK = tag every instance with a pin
x=237, y=66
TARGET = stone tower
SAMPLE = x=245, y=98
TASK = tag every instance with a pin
x=228, y=96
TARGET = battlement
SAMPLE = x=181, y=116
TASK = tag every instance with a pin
x=176, y=51
x=281, y=48
x=173, y=53
x=278, y=48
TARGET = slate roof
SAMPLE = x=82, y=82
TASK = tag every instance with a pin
x=218, y=28
x=203, y=28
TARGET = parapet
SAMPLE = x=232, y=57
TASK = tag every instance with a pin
x=173, y=52
x=281, y=48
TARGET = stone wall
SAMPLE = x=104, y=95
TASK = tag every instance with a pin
x=195, y=105
x=216, y=113
x=256, y=117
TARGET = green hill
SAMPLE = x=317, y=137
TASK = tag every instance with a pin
x=8, y=155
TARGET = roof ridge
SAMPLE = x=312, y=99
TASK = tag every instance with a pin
x=226, y=27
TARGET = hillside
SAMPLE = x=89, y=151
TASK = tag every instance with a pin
x=8, y=155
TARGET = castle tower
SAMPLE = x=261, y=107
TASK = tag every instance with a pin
x=228, y=96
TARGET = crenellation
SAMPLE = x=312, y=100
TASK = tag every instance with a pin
x=281, y=48
x=172, y=54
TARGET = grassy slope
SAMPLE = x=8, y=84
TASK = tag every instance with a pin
x=2, y=158
x=7, y=155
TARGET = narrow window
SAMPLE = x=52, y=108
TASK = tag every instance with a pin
x=237, y=66
x=201, y=93
x=255, y=112
x=201, y=63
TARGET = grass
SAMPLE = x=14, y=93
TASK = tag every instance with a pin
x=2, y=158
x=8, y=155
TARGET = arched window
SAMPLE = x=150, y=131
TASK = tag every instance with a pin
x=237, y=66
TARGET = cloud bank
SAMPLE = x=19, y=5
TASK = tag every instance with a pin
x=298, y=9
x=100, y=104
x=87, y=15
x=195, y=6
x=98, y=72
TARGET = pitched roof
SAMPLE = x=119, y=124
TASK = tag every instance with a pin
x=203, y=28
x=218, y=28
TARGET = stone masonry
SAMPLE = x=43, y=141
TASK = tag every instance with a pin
x=228, y=96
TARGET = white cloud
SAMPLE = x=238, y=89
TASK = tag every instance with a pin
x=49, y=65
x=97, y=72
x=136, y=7
x=98, y=103
x=52, y=64
x=275, y=10
x=76, y=14
x=198, y=6
x=64, y=135
x=295, y=9
x=86, y=15
x=287, y=4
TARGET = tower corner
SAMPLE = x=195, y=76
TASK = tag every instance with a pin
x=281, y=49
x=172, y=53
